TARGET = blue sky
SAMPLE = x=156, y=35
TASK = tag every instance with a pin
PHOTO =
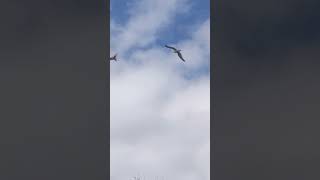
x=199, y=11
x=159, y=105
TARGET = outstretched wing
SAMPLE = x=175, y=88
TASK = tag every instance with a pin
x=170, y=47
x=113, y=57
x=180, y=56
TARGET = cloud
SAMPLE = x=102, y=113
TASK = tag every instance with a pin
x=147, y=18
x=160, y=116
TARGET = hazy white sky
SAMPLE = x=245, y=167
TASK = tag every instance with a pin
x=160, y=107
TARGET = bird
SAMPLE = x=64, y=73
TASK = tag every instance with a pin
x=178, y=51
x=113, y=57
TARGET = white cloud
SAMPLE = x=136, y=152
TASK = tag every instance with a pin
x=147, y=19
x=159, y=119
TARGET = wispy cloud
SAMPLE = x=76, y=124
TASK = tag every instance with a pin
x=159, y=118
x=147, y=18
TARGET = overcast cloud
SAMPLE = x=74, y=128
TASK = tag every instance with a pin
x=160, y=107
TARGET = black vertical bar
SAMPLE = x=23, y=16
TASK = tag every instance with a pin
x=266, y=90
x=54, y=114
x=108, y=86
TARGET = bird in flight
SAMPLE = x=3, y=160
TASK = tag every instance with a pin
x=113, y=57
x=176, y=51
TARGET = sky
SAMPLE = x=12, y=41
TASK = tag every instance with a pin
x=159, y=105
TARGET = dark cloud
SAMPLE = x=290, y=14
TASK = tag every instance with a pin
x=265, y=90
